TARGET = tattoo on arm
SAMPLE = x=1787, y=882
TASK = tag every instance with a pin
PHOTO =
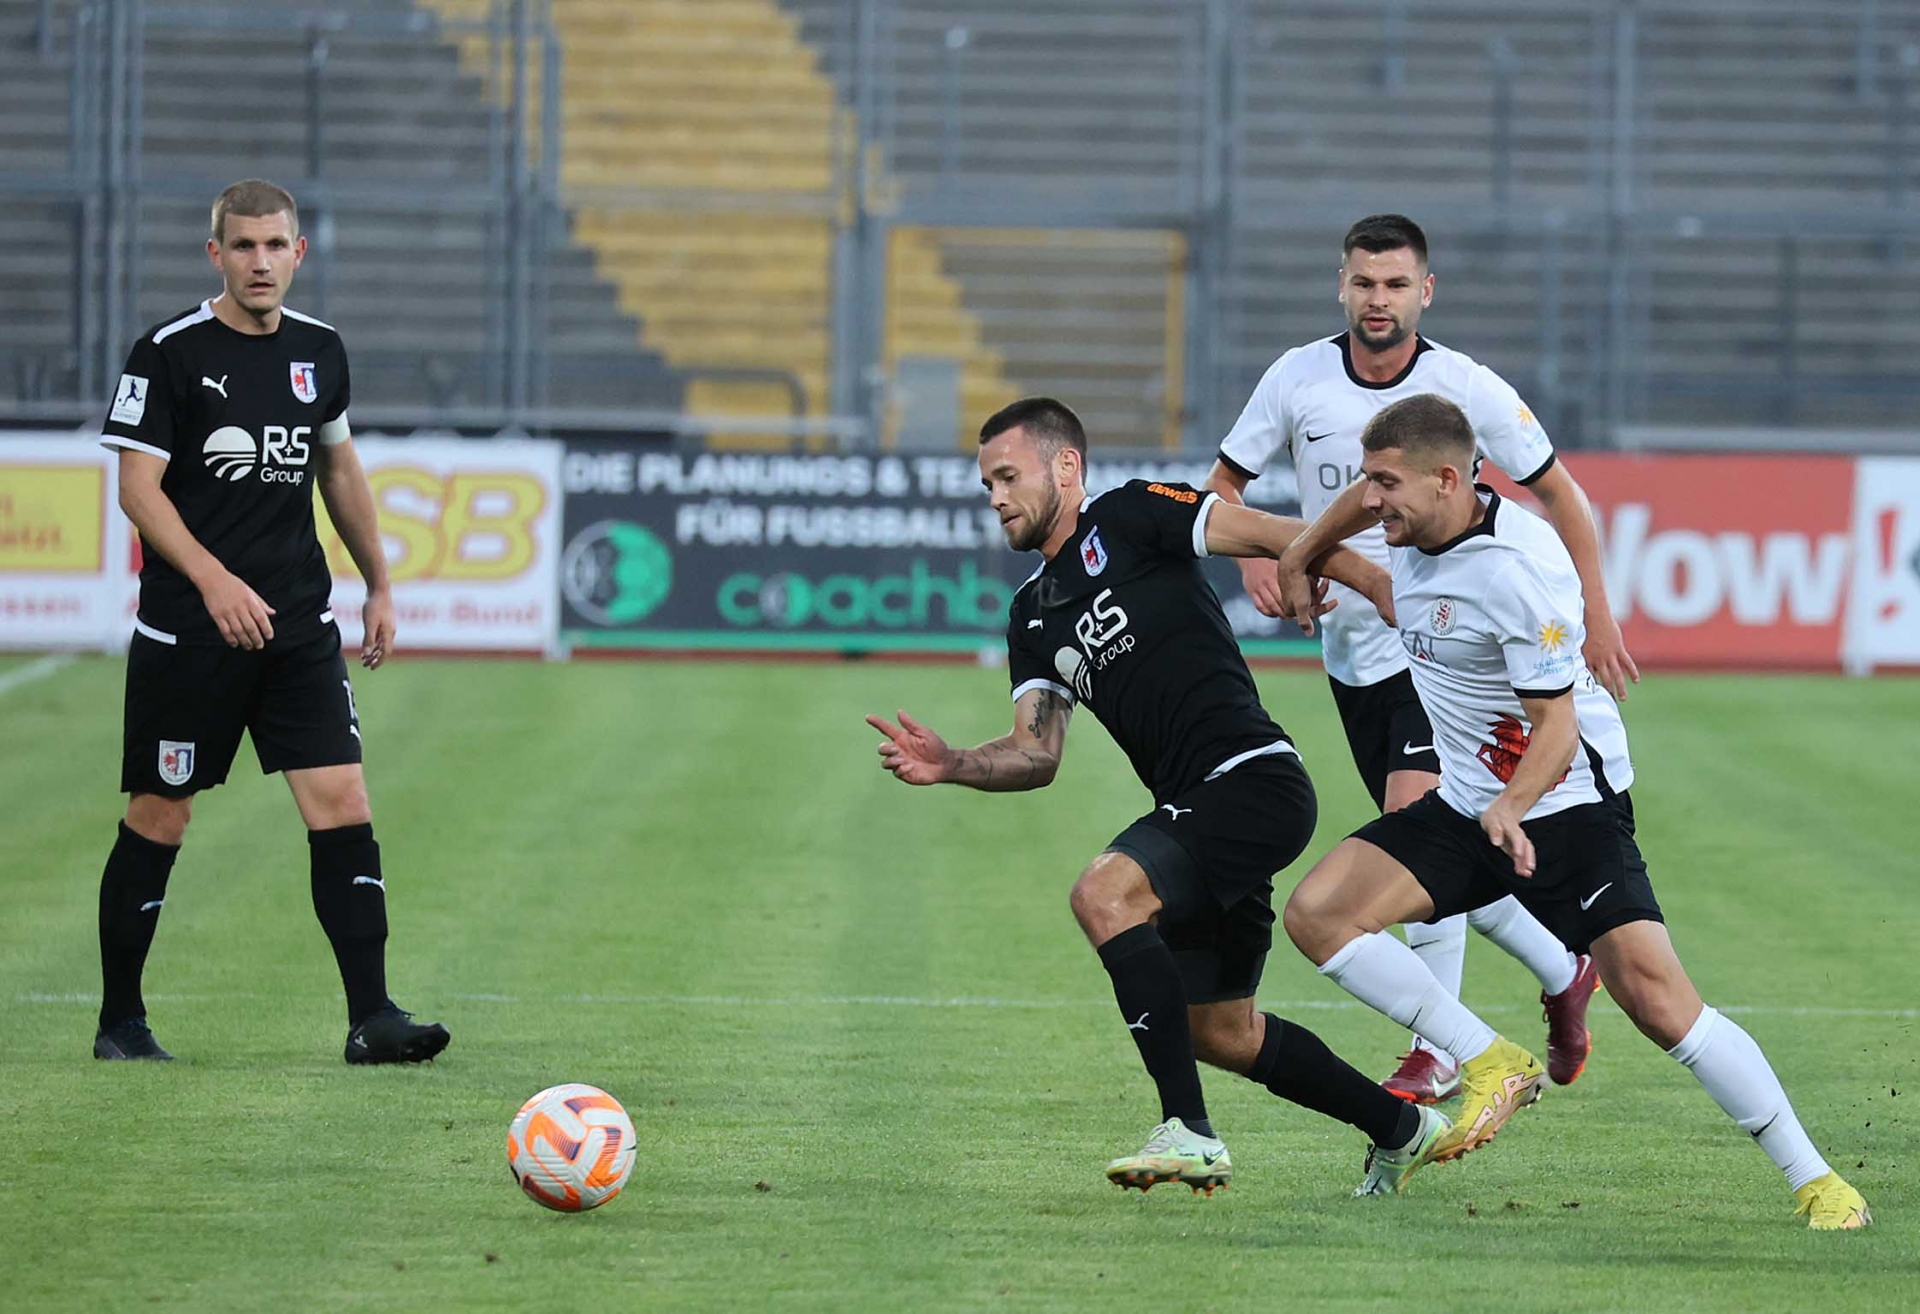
x=1044, y=707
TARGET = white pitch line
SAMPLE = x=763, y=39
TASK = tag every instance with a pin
x=985, y=1004
x=34, y=670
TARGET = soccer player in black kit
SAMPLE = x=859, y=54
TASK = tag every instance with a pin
x=1180, y=905
x=227, y=418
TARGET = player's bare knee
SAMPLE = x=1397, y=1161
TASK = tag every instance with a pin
x=1311, y=917
x=162, y=820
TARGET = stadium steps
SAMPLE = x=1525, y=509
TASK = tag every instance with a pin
x=412, y=293
x=720, y=99
x=1083, y=312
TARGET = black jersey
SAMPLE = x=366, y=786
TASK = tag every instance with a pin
x=1123, y=620
x=236, y=416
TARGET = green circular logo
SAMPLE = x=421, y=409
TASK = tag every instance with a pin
x=616, y=572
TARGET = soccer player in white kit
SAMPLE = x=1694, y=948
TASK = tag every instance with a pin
x=1532, y=802
x=1312, y=405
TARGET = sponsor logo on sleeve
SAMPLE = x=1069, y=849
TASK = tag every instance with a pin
x=130, y=400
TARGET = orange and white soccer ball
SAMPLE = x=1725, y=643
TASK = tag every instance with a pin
x=571, y=1147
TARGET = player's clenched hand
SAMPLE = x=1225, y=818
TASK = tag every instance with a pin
x=1260, y=576
x=1607, y=657
x=376, y=619
x=1505, y=833
x=241, y=614
x=912, y=752
x=1297, y=590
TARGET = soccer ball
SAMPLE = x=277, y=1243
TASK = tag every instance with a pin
x=571, y=1147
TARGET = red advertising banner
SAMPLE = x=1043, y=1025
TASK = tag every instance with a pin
x=1726, y=560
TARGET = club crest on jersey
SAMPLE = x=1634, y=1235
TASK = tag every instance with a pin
x=304, y=387
x=1093, y=554
x=176, y=761
x=1445, y=613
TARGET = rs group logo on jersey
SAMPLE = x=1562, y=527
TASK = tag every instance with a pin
x=304, y=387
x=231, y=454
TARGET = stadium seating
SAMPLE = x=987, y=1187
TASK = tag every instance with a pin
x=413, y=283
x=711, y=134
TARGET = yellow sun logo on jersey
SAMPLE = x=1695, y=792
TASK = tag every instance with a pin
x=1553, y=636
x=1526, y=417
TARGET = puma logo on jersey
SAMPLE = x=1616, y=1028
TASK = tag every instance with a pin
x=1033, y=624
x=1172, y=811
x=220, y=387
x=371, y=880
x=1140, y=1023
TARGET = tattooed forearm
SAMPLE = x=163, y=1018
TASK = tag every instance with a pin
x=1000, y=767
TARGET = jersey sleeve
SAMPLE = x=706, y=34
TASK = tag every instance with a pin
x=1028, y=665
x=1166, y=520
x=1505, y=426
x=140, y=417
x=1264, y=426
x=342, y=395
x=1539, y=628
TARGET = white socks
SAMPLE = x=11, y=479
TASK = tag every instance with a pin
x=1380, y=971
x=1514, y=929
x=1730, y=1065
x=1442, y=946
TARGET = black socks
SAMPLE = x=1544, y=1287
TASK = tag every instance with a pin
x=350, y=899
x=132, y=888
x=1296, y=1065
x=1153, y=1003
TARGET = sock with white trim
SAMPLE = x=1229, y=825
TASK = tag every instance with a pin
x=350, y=899
x=1380, y=971
x=132, y=889
x=1719, y=1052
x=1508, y=924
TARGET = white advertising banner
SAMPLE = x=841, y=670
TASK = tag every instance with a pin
x=471, y=528
x=1883, y=613
x=66, y=573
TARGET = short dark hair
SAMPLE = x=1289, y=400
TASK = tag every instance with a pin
x=1385, y=232
x=1428, y=427
x=253, y=198
x=1051, y=424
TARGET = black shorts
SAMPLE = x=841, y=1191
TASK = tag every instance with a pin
x=1211, y=854
x=1588, y=874
x=187, y=704
x=1387, y=730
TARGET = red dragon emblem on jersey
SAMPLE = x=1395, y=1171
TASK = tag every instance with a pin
x=1503, y=755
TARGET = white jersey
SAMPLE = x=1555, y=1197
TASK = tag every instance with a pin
x=1311, y=404
x=1486, y=618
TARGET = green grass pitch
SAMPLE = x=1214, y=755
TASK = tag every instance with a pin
x=872, y=1064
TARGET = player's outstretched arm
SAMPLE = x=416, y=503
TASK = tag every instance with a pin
x=1260, y=576
x=1241, y=531
x=1549, y=752
x=243, y=616
x=1566, y=505
x=349, y=498
x=1343, y=518
x=1026, y=758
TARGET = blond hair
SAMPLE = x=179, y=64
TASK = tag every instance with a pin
x=253, y=198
